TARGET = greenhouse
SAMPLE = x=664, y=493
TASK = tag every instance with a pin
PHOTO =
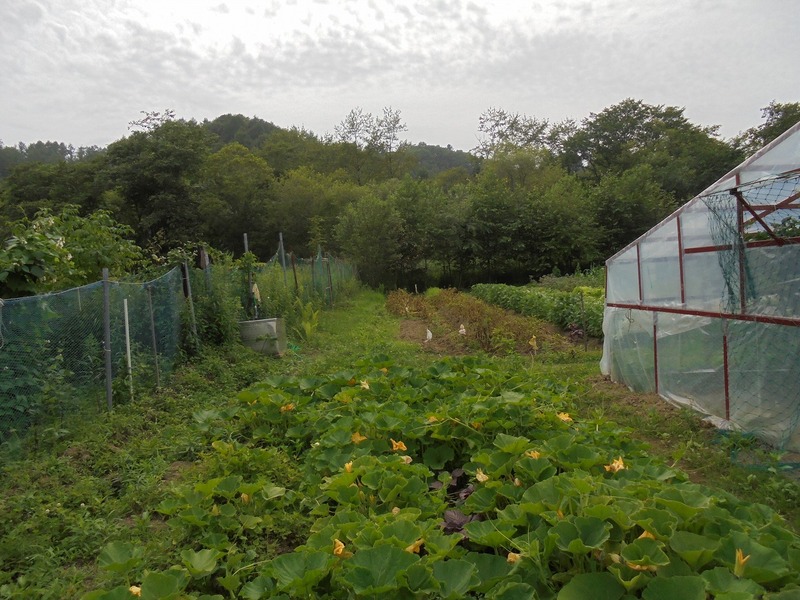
x=704, y=309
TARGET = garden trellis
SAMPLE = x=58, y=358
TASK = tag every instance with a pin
x=704, y=309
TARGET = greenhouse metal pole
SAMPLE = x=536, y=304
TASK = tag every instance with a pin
x=107, y=336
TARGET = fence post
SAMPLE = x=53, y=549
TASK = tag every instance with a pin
x=294, y=270
x=330, y=281
x=128, y=345
x=583, y=325
x=249, y=293
x=153, y=334
x=282, y=253
x=107, y=336
x=191, y=305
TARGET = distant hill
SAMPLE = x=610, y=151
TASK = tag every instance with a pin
x=250, y=132
x=432, y=160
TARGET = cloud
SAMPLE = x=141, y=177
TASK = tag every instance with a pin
x=71, y=67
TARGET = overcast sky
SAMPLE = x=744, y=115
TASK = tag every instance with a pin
x=78, y=71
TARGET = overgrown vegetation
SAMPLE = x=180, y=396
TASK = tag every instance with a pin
x=203, y=489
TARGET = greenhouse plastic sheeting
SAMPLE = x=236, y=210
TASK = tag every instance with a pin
x=704, y=309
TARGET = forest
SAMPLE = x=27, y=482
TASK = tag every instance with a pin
x=532, y=198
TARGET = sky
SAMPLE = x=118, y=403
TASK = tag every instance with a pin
x=79, y=71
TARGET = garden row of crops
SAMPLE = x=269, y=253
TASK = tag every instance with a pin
x=581, y=308
x=461, y=479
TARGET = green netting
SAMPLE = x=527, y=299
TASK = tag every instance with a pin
x=52, y=357
x=52, y=352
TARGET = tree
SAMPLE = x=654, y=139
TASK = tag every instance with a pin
x=385, y=138
x=371, y=143
x=235, y=200
x=627, y=205
x=501, y=130
x=560, y=228
x=369, y=233
x=155, y=175
x=777, y=117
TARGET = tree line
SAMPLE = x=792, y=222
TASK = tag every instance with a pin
x=532, y=198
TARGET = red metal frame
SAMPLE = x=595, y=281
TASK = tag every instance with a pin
x=725, y=371
x=680, y=258
x=655, y=348
x=751, y=244
x=788, y=321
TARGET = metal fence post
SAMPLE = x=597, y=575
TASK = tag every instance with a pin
x=107, y=337
x=153, y=334
x=192, y=319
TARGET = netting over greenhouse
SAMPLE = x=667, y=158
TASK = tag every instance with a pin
x=704, y=309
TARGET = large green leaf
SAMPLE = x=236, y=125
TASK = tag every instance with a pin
x=163, y=586
x=764, y=564
x=645, y=552
x=511, y=444
x=494, y=533
x=202, y=563
x=695, y=549
x=720, y=580
x=300, y=570
x=120, y=557
x=582, y=534
x=691, y=587
x=455, y=577
x=377, y=570
x=491, y=569
x=513, y=590
x=592, y=586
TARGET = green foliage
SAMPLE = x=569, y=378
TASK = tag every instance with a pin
x=583, y=305
x=53, y=252
x=201, y=492
x=525, y=494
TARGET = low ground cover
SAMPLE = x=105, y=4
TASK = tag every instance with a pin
x=360, y=466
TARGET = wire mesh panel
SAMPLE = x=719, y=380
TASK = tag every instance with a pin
x=52, y=355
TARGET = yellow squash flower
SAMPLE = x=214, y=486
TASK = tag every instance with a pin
x=135, y=590
x=433, y=419
x=407, y=459
x=513, y=557
x=414, y=548
x=245, y=498
x=338, y=549
x=616, y=465
x=533, y=454
x=348, y=467
x=384, y=370
x=357, y=438
x=741, y=561
x=398, y=446
x=481, y=476
x=565, y=417
x=647, y=534
x=287, y=407
x=364, y=384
